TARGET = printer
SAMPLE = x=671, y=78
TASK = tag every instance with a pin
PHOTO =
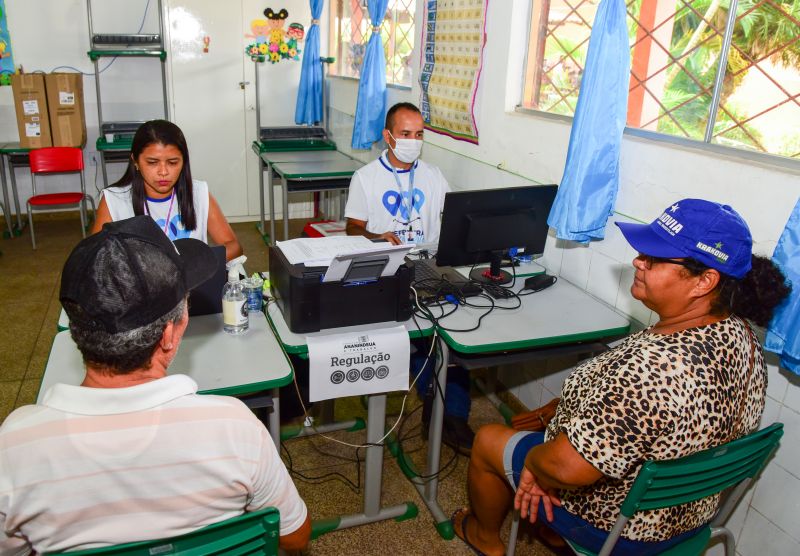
x=362, y=296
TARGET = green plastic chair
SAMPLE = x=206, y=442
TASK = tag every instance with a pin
x=250, y=533
x=662, y=484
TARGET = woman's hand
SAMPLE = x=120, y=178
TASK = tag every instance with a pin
x=529, y=494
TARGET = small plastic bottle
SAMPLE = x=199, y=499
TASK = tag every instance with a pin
x=235, y=318
x=253, y=290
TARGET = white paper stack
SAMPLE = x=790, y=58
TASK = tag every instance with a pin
x=338, y=252
x=319, y=251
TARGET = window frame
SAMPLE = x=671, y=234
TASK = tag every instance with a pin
x=336, y=47
x=705, y=145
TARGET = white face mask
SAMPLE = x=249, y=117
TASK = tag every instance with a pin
x=406, y=150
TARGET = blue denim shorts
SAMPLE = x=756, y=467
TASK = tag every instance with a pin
x=570, y=526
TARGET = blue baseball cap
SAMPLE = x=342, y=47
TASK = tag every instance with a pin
x=708, y=232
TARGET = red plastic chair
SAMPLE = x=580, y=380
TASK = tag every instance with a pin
x=55, y=160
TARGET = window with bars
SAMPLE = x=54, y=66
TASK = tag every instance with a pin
x=351, y=29
x=676, y=87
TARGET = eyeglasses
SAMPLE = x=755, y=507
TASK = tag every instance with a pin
x=649, y=261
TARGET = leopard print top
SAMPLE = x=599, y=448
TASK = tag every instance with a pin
x=657, y=397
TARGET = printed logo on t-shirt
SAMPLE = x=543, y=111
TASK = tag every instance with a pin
x=176, y=229
x=395, y=202
x=397, y=205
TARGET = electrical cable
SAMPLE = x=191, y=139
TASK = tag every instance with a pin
x=323, y=435
x=114, y=59
x=325, y=477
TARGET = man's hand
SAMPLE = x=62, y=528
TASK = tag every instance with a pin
x=528, y=496
x=390, y=237
x=359, y=228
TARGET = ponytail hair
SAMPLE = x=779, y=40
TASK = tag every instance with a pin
x=755, y=296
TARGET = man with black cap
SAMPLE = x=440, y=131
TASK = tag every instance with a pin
x=133, y=453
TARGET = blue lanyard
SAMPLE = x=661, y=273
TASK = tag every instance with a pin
x=408, y=200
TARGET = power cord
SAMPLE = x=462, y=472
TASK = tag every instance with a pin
x=323, y=435
x=325, y=477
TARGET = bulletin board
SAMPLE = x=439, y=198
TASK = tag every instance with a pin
x=6, y=58
x=453, y=40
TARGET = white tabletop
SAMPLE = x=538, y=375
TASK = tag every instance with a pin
x=220, y=363
x=318, y=169
x=63, y=320
x=560, y=314
x=303, y=156
x=297, y=343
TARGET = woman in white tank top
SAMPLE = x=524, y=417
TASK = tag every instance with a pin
x=158, y=182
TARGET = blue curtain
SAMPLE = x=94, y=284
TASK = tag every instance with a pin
x=371, y=103
x=591, y=176
x=783, y=332
x=309, y=96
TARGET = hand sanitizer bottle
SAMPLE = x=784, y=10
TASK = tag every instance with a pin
x=235, y=317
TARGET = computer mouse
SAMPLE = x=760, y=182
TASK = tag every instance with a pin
x=539, y=282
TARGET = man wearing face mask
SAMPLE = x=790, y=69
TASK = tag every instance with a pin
x=398, y=197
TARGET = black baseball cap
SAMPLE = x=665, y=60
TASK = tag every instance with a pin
x=130, y=274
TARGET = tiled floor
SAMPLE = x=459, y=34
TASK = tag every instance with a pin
x=29, y=309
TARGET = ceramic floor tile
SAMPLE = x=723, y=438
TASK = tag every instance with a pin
x=8, y=397
x=34, y=284
x=41, y=349
x=22, y=322
x=413, y=536
x=27, y=392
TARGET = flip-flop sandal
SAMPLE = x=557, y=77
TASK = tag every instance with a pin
x=467, y=515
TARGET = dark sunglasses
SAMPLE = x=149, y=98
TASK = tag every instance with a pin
x=649, y=261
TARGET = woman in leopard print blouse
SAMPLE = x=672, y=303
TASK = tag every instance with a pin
x=692, y=381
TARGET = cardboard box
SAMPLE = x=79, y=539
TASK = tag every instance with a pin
x=30, y=103
x=65, y=105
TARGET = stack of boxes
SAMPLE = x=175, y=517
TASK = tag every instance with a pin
x=49, y=109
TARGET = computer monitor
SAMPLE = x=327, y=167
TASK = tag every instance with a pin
x=481, y=226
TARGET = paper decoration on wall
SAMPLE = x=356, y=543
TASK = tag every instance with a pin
x=6, y=59
x=455, y=34
x=273, y=43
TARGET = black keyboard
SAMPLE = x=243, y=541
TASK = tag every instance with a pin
x=109, y=39
x=423, y=271
x=292, y=132
x=431, y=280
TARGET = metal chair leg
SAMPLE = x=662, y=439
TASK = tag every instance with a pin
x=82, y=211
x=30, y=225
x=727, y=537
x=512, y=535
x=94, y=208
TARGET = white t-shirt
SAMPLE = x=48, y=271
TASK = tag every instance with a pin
x=91, y=467
x=120, y=206
x=375, y=198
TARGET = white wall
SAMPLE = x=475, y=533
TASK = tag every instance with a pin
x=47, y=34
x=653, y=175
x=50, y=33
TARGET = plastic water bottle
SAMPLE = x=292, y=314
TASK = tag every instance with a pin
x=235, y=318
x=253, y=286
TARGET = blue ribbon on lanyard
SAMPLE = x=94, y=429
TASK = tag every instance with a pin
x=406, y=200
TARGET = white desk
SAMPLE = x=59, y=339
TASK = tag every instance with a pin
x=297, y=344
x=63, y=321
x=308, y=171
x=220, y=363
x=560, y=318
x=376, y=424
